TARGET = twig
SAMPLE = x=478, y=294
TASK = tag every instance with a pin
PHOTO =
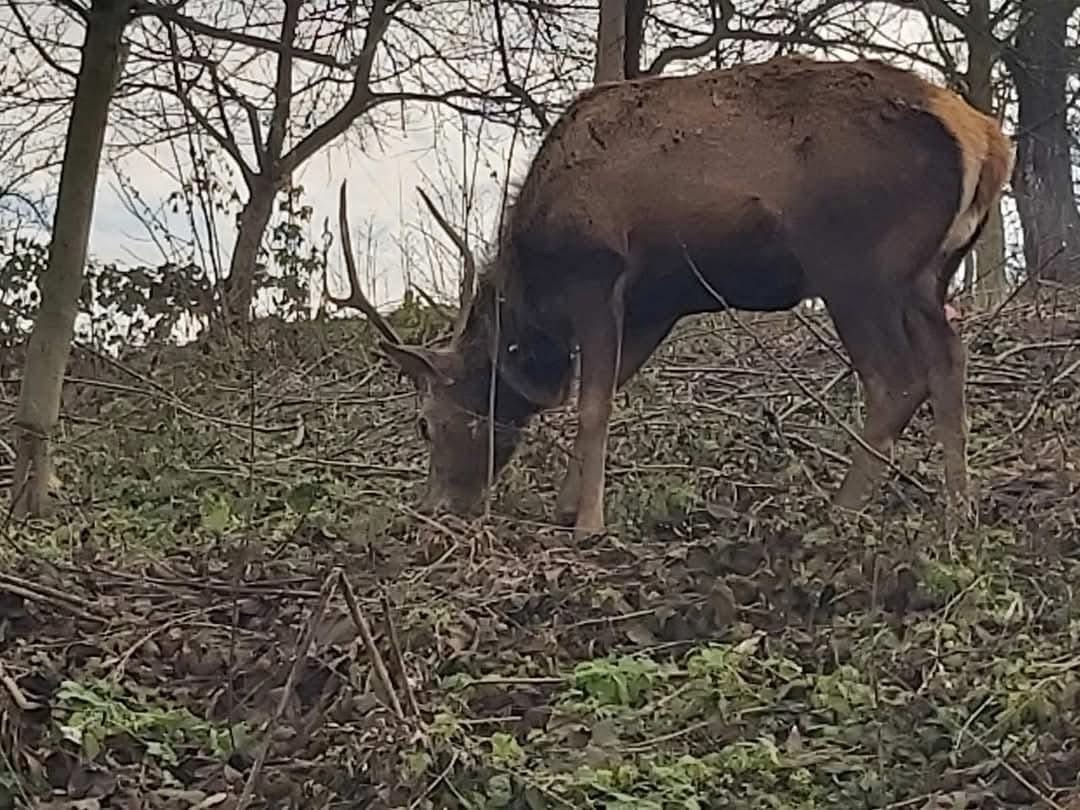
x=511, y=680
x=829, y=386
x=267, y=589
x=125, y=656
x=1027, y=347
x=35, y=595
x=303, y=644
x=622, y=617
x=377, y=662
x=46, y=590
x=1036, y=403
x=674, y=735
x=399, y=659
x=21, y=700
x=435, y=782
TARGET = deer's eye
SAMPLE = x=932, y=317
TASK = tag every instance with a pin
x=424, y=428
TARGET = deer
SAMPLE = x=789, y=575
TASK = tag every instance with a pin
x=751, y=188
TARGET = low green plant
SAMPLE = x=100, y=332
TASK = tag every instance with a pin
x=90, y=714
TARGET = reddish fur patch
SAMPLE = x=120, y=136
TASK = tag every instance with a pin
x=987, y=153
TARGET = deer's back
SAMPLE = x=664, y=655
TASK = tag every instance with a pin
x=656, y=159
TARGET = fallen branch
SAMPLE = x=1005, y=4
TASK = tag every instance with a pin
x=377, y=662
x=41, y=593
x=399, y=659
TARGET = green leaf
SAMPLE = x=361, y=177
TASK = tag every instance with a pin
x=216, y=514
x=505, y=751
x=303, y=496
x=91, y=744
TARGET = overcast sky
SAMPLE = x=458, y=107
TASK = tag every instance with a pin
x=382, y=191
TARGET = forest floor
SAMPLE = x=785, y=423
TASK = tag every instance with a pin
x=235, y=583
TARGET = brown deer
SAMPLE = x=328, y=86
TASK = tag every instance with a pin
x=753, y=188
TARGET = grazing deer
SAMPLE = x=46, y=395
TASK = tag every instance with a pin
x=752, y=188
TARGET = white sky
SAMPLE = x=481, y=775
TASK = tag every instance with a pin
x=382, y=191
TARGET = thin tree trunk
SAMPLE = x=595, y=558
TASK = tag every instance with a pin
x=611, y=42
x=239, y=285
x=263, y=186
x=1042, y=180
x=635, y=37
x=990, y=281
x=49, y=347
x=969, y=278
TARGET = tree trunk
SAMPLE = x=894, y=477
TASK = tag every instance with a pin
x=969, y=277
x=239, y=285
x=611, y=42
x=990, y=281
x=635, y=37
x=1042, y=180
x=49, y=347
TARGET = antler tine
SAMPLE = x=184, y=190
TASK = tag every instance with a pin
x=356, y=297
x=468, y=281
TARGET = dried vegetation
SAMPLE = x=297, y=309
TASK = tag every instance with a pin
x=236, y=606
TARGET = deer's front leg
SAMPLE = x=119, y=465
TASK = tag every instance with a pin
x=639, y=341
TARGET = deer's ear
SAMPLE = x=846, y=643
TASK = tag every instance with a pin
x=420, y=364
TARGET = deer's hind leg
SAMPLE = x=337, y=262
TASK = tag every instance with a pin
x=945, y=356
x=874, y=331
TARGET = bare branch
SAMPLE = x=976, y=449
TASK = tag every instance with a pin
x=250, y=110
x=943, y=11
x=45, y=56
x=229, y=145
x=169, y=14
x=360, y=99
x=74, y=8
x=279, y=118
x=512, y=87
x=468, y=277
x=219, y=100
x=720, y=31
x=356, y=297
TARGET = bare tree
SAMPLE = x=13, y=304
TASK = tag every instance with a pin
x=47, y=354
x=329, y=70
x=1040, y=63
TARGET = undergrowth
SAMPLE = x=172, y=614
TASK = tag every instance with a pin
x=731, y=642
